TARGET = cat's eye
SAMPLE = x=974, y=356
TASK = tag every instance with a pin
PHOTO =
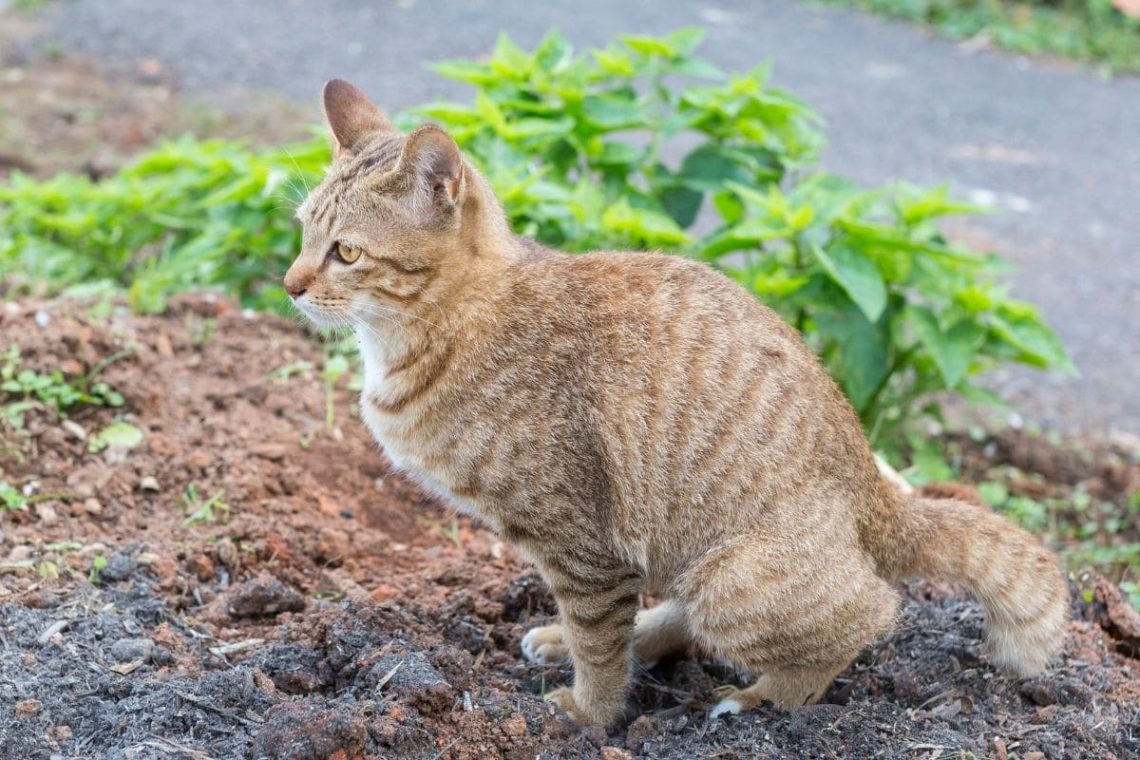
x=346, y=253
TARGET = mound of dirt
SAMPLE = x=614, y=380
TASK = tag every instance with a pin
x=250, y=581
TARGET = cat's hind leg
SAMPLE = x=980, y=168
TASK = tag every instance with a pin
x=794, y=614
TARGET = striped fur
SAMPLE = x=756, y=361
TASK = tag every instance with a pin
x=636, y=423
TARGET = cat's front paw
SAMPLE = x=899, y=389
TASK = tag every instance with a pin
x=545, y=646
x=563, y=698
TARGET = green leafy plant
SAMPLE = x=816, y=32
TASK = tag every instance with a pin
x=188, y=215
x=53, y=389
x=11, y=497
x=118, y=435
x=575, y=146
x=98, y=565
x=1087, y=30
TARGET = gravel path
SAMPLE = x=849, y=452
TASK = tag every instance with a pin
x=1055, y=149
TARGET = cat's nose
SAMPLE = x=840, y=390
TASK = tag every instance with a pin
x=297, y=282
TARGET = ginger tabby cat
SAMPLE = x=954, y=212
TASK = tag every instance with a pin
x=635, y=423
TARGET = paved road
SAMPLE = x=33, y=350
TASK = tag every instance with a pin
x=1057, y=149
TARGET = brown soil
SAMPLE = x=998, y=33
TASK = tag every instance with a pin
x=62, y=113
x=333, y=611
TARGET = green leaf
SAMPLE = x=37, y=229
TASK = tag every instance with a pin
x=553, y=53
x=859, y=352
x=710, y=166
x=857, y=275
x=618, y=154
x=651, y=46
x=952, y=350
x=697, y=67
x=729, y=206
x=612, y=112
x=117, y=435
x=465, y=71
x=1038, y=344
x=685, y=40
x=682, y=203
x=779, y=284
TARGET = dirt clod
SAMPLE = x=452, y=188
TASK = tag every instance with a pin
x=644, y=728
x=301, y=731
x=28, y=708
x=264, y=596
x=128, y=650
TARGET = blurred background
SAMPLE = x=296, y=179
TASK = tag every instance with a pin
x=1047, y=143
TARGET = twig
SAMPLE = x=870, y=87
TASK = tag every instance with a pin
x=388, y=676
x=213, y=708
x=52, y=630
x=240, y=646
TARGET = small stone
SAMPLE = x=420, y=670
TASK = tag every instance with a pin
x=93, y=507
x=227, y=553
x=161, y=656
x=163, y=345
x=384, y=593
x=21, y=553
x=43, y=319
x=643, y=729
x=61, y=733
x=74, y=429
x=149, y=483
x=28, y=708
x=615, y=753
x=47, y=514
x=203, y=568
x=515, y=726
x=128, y=650
x=264, y=596
x=119, y=568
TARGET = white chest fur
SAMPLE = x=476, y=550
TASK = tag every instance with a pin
x=408, y=453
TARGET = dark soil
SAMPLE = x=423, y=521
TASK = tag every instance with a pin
x=333, y=611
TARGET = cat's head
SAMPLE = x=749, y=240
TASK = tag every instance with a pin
x=392, y=221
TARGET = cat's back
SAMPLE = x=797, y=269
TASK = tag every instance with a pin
x=618, y=307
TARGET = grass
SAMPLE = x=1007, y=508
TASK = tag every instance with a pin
x=1092, y=31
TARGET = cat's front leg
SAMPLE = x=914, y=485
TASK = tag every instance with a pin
x=598, y=625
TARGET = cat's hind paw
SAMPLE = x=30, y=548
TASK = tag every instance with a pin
x=728, y=704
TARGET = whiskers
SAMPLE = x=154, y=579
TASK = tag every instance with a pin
x=388, y=314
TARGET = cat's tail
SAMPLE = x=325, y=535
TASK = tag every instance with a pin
x=1016, y=579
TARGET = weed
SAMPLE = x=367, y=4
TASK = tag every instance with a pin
x=1087, y=30
x=11, y=497
x=98, y=565
x=285, y=372
x=54, y=389
x=201, y=511
x=335, y=367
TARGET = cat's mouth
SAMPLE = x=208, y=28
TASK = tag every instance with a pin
x=323, y=312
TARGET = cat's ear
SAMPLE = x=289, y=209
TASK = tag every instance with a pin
x=432, y=163
x=351, y=115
